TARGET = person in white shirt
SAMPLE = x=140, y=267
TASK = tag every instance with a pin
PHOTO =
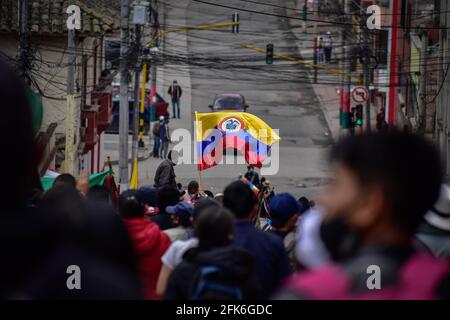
x=174, y=255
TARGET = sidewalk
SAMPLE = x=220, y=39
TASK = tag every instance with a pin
x=327, y=94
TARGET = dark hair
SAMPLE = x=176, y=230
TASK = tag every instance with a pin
x=214, y=228
x=202, y=205
x=65, y=179
x=239, y=199
x=167, y=196
x=131, y=204
x=209, y=194
x=406, y=166
x=193, y=185
x=98, y=193
x=149, y=195
x=34, y=197
x=306, y=204
x=19, y=174
x=66, y=207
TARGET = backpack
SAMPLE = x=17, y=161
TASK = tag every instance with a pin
x=156, y=128
x=212, y=284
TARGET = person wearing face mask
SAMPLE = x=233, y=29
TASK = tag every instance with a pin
x=193, y=192
x=382, y=187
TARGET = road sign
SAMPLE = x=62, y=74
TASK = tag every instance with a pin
x=360, y=94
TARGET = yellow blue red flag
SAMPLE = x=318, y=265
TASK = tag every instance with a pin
x=242, y=131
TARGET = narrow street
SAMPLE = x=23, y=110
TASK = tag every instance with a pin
x=281, y=94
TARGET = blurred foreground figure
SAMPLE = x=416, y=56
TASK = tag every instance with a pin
x=383, y=185
x=44, y=242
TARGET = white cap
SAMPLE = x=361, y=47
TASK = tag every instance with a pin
x=439, y=215
x=161, y=118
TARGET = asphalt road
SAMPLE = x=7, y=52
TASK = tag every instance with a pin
x=281, y=94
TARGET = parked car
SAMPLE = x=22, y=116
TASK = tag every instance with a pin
x=229, y=102
x=161, y=110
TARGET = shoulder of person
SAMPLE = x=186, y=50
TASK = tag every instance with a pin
x=272, y=238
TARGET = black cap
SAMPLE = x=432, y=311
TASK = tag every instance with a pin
x=131, y=204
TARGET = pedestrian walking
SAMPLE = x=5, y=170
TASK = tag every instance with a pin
x=156, y=138
x=321, y=50
x=164, y=137
x=328, y=47
x=175, y=93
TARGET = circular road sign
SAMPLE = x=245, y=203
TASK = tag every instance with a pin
x=360, y=94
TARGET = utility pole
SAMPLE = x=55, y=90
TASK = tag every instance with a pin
x=123, y=113
x=423, y=83
x=23, y=39
x=345, y=98
x=69, y=159
x=136, y=104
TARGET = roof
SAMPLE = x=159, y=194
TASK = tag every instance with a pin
x=232, y=95
x=48, y=17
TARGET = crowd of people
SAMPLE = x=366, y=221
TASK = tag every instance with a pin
x=385, y=207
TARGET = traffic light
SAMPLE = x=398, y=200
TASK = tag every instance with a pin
x=235, y=28
x=359, y=115
x=269, y=54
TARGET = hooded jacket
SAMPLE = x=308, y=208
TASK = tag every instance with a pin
x=149, y=243
x=236, y=263
x=165, y=175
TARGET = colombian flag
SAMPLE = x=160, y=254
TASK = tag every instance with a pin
x=239, y=130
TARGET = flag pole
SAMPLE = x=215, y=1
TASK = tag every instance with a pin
x=199, y=172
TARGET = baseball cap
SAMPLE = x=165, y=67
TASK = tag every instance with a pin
x=182, y=209
x=282, y=207
x=439, y=215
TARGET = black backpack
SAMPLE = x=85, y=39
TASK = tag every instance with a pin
x=212, y=284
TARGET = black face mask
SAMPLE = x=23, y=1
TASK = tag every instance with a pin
x=339, y=238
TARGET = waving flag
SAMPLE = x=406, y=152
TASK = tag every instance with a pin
x=242, y=131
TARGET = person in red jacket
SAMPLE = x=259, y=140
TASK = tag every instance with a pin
x=149, y=242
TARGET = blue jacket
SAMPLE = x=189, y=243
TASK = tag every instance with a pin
x=272, y=262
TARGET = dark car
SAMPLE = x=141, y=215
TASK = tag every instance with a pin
x=229, y=102
x=161, y=109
